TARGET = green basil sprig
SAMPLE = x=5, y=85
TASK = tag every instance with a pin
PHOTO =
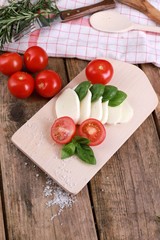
x=97, y=91
x=117, y=99
x=109, y=92
x=79, y=146
x=82, y=89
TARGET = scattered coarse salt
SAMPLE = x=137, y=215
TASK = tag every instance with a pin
x=58, y=196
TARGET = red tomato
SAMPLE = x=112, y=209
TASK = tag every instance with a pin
x=94, y=130
x=63, y=130
x=10, y=63
x=21, y=84
x=48, y=83
x=99, y=71
x=35, y=59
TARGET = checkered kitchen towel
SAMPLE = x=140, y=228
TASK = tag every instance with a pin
x=78, y=39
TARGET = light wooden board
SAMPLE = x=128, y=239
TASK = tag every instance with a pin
x=34, y=139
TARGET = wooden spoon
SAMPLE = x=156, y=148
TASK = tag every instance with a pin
x=145, y=7
x=112, y=21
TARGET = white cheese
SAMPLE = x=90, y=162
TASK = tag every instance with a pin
x=114, y=114
x=127, y=112
x=68, y=104
x=96, y=109
x=85, y=107
x=104, y=112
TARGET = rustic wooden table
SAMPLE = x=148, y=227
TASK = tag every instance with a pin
x=122, y=202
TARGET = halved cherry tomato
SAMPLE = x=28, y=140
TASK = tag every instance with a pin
x=63, y=130
x=48, y=83
x=99, y=71
x=10, y=63
x=94, y=130
x=21, y=84
x=35, y=59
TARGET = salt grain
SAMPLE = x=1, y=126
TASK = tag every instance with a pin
x=58, y=196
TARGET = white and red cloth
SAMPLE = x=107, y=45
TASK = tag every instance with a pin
x=77, y=39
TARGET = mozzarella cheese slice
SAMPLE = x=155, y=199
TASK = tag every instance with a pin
x=85, y=107
x=104, y=112
x=114, y=114
x=127, y=112
x=96, y=109
x=68, y=104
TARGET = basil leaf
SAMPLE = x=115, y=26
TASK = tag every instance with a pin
x=82, y=89
x=97, y=91
x=109, y=92
x=68, y=150
x=85, y=153
x=81, y=140
x=117, y=99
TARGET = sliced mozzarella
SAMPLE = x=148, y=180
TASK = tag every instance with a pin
x=96, y=109
x=68, y=104
x=104, y=112
x=127, y=112
x=114, y=114
x=85, y=107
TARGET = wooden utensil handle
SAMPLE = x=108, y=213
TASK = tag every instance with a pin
x=83, y=11
x=145, y=7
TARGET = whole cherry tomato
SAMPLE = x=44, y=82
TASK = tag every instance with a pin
x=10, y=63
x=63, y=130
x=48, y=83
x=21, y=84
x=94, y=130
x=35, y=59
x=99, y=71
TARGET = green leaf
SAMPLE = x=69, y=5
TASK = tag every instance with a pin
x=82, y=89
x=117, y=99
x=44, y=20
x=109, y=92
x=68, y=150
x=85, y=153
x=97, y=91
x=81, y=140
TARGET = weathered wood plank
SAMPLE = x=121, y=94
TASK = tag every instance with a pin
x=126, y=191
x=23, y=183
x=153, y=73
x=2, y=232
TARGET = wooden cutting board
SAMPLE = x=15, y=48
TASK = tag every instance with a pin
x=34, y=139
x=144, y=7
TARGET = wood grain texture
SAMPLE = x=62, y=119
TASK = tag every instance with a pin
x=39, y=146
x=124, y=194
x=72, y=14
x=153, y=74
x=2, y=232
x=26, y=212
x=145, y=7
x=126, y=191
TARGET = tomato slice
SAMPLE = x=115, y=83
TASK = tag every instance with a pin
x=63, y=130
x=94, y=130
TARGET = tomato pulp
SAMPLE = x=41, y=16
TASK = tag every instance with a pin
x=63, y=130
x=99, y=71
x=94, y=130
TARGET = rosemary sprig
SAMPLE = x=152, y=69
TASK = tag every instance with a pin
x=18, y=15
